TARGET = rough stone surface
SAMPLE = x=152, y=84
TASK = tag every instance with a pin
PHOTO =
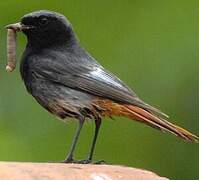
x=59, y=171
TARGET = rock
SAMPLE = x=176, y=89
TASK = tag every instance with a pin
x=59, y=171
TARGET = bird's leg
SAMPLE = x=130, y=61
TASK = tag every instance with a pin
x=97, y=127
x=89, y=159
x=69, y=158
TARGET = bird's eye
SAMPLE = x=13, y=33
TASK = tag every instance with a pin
x=43, y=21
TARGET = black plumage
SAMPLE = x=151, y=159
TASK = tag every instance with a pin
x=69, y=82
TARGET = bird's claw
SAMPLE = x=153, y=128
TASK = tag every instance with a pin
x=68, y=160
x=85, y=161
x=100, y=162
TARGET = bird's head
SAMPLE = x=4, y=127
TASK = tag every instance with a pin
x=45, y=28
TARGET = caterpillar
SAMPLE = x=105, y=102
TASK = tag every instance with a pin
x=11, y=50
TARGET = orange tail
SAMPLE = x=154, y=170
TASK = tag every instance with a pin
x=144, y=116
x=159, y=123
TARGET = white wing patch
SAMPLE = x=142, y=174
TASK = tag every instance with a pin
x=98, y=73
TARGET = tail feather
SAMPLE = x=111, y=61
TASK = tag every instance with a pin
x=149, y=115
x=157, y=122
x=151, y=109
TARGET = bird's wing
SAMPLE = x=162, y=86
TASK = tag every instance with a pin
x=93, y=79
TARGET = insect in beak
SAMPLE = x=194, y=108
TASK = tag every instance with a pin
x=11, y=50
x=12, y=30
x=17, y=27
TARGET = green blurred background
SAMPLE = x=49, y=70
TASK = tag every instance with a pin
x=153, y=46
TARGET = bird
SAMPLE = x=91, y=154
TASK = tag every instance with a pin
x=68, y=82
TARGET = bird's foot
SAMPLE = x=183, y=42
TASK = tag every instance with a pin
x=99, y=162
x=85, y=161
x=89, y=161
x=71, y=160
x=68, y=160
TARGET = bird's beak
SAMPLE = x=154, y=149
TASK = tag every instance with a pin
x=18, y=27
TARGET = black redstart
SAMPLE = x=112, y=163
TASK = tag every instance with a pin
x=68, y=82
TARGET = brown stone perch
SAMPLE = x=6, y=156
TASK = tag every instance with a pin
x=58, y=171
